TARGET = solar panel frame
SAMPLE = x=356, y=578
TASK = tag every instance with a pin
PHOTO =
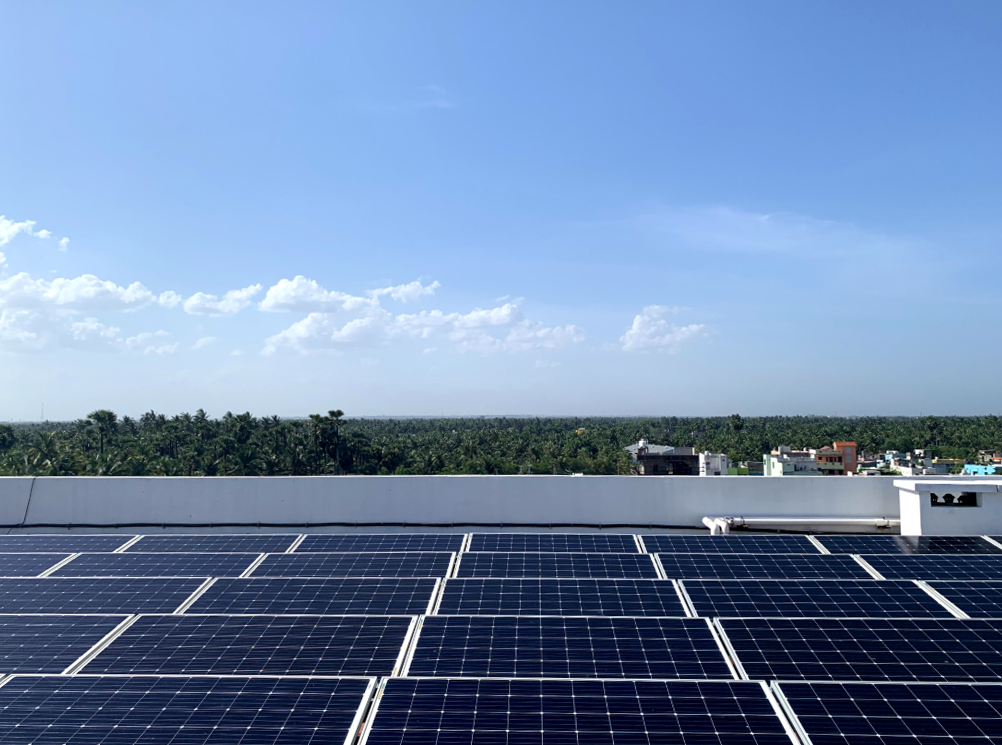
x=203, y=706
x=45, y=543
x=95, y=595
x=668, y=543
x=655, y=704
x=425, y=564
x=594, y=647
x=213, y=543
x=931, y=567
x=974, y=598
x=63, y=639
x=662, y=596
x=381, y=542
x=283, y=645
x=760, y=566
x=707, y=596
x=157, y=565
x=965, y=545
x=557, y=565
x=212, y=601
x=609, y=543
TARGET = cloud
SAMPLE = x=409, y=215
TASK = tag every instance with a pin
x=86, y=293
x=161, y=350
x=409, y=292
x=429, y=350
x=237, y=353
x=169, y=299
x=10, y=229
x=3, y=265
x=204, y=342
x=64, y=244
x=21, y=330
x=302, y=295
x=201, y=304
x=546, y=364
x=650, y=331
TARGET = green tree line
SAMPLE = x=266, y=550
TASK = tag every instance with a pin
x=243, y=445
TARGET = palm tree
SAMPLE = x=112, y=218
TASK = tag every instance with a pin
x=104, y=420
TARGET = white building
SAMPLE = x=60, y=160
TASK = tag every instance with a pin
x=713, y=464
x=785, y=461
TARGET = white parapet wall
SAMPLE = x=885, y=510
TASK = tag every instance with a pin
x=434, y=500
x=957, y=506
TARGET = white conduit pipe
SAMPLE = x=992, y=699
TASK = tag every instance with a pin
x=718, y=525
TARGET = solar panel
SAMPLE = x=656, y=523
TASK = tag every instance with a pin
x=812, y=598
x=897, y=713
x=388, y=564
x=560, y=597
x=67, y=544
x=729, y=544
x=49, y=644
x=908, y=544
x=255, y=543
x=256, y=645
x=555, y=712
x=92, y=710
x=556, y=565
x=156, y=565
x=903, y=649
x=976, y=599
x=582, y=543
x=404, y=596
x=761, y=566
x=28, y=565
x=520, y=646
x=942, y=566
x=452, y=542
x=94, y=595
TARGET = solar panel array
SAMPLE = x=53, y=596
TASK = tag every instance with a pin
x=447, y=638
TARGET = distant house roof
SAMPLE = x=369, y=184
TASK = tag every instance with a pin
x=652, y=449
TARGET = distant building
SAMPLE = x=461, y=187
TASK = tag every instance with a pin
x=982, y=469
x=837, y=460
x=714, y=464
x=663, y=460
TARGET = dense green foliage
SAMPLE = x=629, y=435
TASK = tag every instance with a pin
x=243, y=445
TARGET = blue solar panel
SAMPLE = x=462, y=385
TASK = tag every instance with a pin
x=761, y=566
x=908, y=544
x=812, y=598
x=67, y=544
x=255, y=543
x=976, y=599
x=88, y=710
x=256, y=645
x=554, y=712
x=451, y=542
x=392, y=596
x=389, y=564
x=903, y=649
x=49, y=644
x=156, y=565
x=897, y=713
x=728, y=544
x=564, y=542
x=942, y=566
x=556, y=565
x=560, y=597
x=94, y=595
x=520, y=646
x=28, y=565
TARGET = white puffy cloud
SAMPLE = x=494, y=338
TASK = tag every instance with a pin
x=21, y=330
x=161, y=350
x=64, y=244
x=302, y=295
x=201, y=304
x=85, y=293
x=3, y=265
x=169, y=299
x=204, y=342
x=10, y=229
x=651, y=331
x=409, y=292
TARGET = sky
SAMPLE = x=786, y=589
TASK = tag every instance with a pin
x=455, y=208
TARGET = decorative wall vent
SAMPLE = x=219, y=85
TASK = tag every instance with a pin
x=962, y=499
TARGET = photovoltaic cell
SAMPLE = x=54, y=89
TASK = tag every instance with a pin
x=255, y=543
x=27, y=565
x=65, y=544
x=554, y=712
x=88, y=710
x=729, y=544
x=256, y=645
x=451, y=542
x=563, y=542
x=556, y=565
x=942, y=566
x=897, y=713
x=812, y=598
x=49, y=644
x=156, y=565
x=94, y=595
x=761, y=566
x=560, y=597
x=393, y=596
x=976, y=599
x=871, y=649
x=388, y=564
x=520, y=646
x=907, y=544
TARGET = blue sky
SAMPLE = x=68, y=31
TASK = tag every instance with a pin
x=472, y=208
